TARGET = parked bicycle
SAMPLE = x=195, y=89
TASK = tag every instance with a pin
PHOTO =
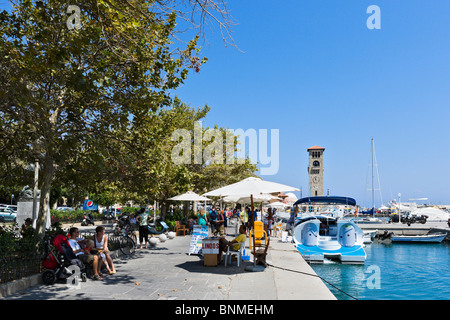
x=127, y=241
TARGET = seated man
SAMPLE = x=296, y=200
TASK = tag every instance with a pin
x=224, y=244
x=83, y=256
x=27, y=228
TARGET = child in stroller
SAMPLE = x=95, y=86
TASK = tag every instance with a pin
x=59, y=265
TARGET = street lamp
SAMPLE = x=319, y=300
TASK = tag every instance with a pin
x=399, y=215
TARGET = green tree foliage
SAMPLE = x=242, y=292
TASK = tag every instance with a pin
x=150, y=174
x=67, y=92
x=93, y=104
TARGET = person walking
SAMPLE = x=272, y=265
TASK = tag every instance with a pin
x=243, y=217
x=213, y=219
x=142, y=220
x=220, y=224
x=291, y=221
x=202, y=217
x=270, y=222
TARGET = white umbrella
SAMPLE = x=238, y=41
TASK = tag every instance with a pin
x=292, y=196
x=246, y=199
x=252, y=186
x=277, y=205
x=189, y=196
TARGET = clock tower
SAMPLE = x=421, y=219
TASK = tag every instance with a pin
x=315, y=171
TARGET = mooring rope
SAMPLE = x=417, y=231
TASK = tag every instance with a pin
x=313, y=275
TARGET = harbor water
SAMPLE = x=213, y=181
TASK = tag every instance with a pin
x=399, y=271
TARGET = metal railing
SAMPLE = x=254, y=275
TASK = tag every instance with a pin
x=17, y=265
x=307, y=256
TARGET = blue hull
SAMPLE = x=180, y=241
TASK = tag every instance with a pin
x=355, y=254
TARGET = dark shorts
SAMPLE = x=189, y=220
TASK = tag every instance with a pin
x=86, y=258
x=223, y=244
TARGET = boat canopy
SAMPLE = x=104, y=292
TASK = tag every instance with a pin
x=330, y=200
x=369, y=212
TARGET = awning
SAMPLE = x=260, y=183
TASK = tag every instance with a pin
x=329, y=200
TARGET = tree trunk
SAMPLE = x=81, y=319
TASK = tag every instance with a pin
x=44, y=205
x=163, y=208
x=186, y=205
x=49, y=169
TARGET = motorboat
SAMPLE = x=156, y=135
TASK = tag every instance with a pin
x=369, y=235
x=319, y=237
x=434, y=237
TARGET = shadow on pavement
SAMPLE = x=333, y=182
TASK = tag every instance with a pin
x=197, y=266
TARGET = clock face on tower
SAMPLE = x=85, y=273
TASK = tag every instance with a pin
x=316, y=179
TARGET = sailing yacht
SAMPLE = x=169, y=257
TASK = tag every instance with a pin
x=373, y=165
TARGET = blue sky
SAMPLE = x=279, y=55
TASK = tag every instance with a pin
x=313, y=70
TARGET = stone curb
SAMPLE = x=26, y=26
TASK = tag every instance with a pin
x=15, y=286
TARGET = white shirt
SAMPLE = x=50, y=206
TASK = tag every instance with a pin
x=75, y=246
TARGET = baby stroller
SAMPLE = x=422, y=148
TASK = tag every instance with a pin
x=58, y=265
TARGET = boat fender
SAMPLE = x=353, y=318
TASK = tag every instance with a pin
x=347, y=235
x=309, y=235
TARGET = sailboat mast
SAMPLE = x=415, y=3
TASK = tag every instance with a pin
x=373, y=190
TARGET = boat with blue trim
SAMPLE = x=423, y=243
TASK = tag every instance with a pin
x=426, y=238
x=322, y=236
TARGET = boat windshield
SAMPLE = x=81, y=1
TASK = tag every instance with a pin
x=327, y=226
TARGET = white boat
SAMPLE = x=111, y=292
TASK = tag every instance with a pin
x=368, y=220
x=436, y=237
x=369, y=235
x=321, y=236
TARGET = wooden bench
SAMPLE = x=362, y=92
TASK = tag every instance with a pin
x=180, y=228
